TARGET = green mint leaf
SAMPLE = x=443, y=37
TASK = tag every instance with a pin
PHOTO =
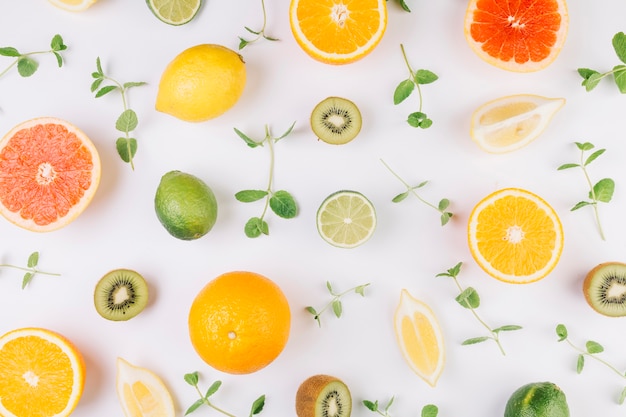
x=619, y=45
x=561, y=332
x=593, y=81
x=213, y=389
x=619, y=76
x=594, y=347
x=580, y=364
x=57, y=43
x=269, y=38
x=445, y=218
x=257, y=405
x=106, y=90
x=128, y=85
x=59, y=59
x=311, y=310
x=126, y=148
x=99, y=66
x=27, y=278
x=26, y=66
x=255, y=227
x=252, y=31
x=586, y=72
x=586, y=146
x=96, y=75
x=402, y=91
x=33, y=260
x=329, y=287
x=337, y=308
x=388, y=406
x=249, y=196
x=455, y=270
x=475, y=340
x=287, y=132
x=361, y=289
x=251, y=143
x=424, y=76
x=400, y=197
x=372, y=406
x=593, y=156
x=416, y=119
x=604, y=189
x=194, y=406
x=420, y=185
x=283, y=204
x=567, y=166
x=622, y=397
x=127, y=122
x=430, y=410
x=580, y=204
x=96, y=84
x=468, y=298
x=507, y=328
x=9, y=51
x=192, y=378
x=242, y=43
x=404, y=6
x=443, y=204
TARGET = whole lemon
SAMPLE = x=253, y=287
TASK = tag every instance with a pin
x=201, y=83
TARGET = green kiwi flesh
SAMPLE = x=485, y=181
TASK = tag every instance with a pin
x=120, y=295
x=605, y=289
x=323, y=396
x=336, y=120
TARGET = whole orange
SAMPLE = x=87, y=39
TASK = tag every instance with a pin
x=239, y=322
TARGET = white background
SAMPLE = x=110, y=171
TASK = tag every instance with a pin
x=120, y=230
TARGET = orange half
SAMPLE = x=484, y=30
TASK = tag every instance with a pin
x=338, y=31
x=517, y=35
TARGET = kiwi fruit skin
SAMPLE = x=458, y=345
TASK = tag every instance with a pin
x=336, y=120
x=121, y=294
x=314, y=393
x=601, y=280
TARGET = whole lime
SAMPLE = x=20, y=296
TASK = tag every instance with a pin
x=537, y=399
x=185, y=205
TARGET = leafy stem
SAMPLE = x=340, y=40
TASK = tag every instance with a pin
x=592, y=349
x=591, y=78
x=406, y=88
x=602, y=191
x=280, y=202
x=30, y=269
x=26, y=65
x=259, y=33
x=193, y=380
x=127, y=121
x=429, y=410
x=335, y=301
x=440, y=207
x=469, y=298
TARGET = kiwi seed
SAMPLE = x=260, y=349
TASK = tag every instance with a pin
x=605, y=289
x=323, y=396
x=336, y=120
x=120, y=295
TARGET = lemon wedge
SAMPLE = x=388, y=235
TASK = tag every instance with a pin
x=141, y=392
x=511, y=122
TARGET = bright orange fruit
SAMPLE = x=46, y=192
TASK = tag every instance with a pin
x=517, y=35
x=515, y=236
x=42, y=372
x=239, y=322
x=338, y=31
x=49, y=172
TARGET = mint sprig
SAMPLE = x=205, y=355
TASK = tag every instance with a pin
x=193, y=380
x=26, y=65
x=260, y=34
x=30, y=270
x=335, y=302
x=591, y=77
x=429, y=410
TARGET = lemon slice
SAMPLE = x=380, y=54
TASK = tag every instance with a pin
x=141, y=392
x=346, y=219
x=419, y=337
x=511, y=122
x=174, y=12
x=73, y=5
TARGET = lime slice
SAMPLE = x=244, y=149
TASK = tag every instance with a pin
x=346, y=219
x=174, y=12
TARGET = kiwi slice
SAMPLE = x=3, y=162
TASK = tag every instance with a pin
x=120, y=295
x=605, y=289
x=323, y=396
x=336, y=120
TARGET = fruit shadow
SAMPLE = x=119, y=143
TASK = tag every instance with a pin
x=93, y=382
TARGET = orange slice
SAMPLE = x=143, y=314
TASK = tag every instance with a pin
x=141, y=392
x=49, y=172
x=517, y=35
x=338, y=31
x=515, y=236
x=42, y=372
x=73, y=5
x=420, y=338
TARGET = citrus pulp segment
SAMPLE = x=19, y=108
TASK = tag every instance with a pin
x=346, y=219
x=509, y=123
x=174, y=12
x=419, y=337
x=73, y=5
x=239, y=322
x=141, y=392
x=338, y=31
x=515, y=236
x=517, y=35
x=49, y=173
x=43, y=374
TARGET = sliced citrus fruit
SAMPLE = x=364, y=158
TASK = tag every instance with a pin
x=517, y=35
x=73, y=5
x=175, y=12
x=141, y=392
x=49, y=172
x=346, y=219
x=419, y=337
x=515, y=236
x=43, y=374
x=509, y=123
x=338, y=31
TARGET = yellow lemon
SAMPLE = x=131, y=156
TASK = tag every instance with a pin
x=201, y=83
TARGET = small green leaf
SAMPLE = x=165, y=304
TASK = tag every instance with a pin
x=283, y=204
x=192, y=378
x=430, y=410
x=507, y=328
x=311, y=310
x=619, y=45
x=372, y=406
x=566, y=166
x=468, y=298
x=27, y=278
x=361, y=289
x=337, y=308
x=400, y=197
x=257, y=405
x=586, y=72
x=388, y=406
x=59, y=59
x=455, y=270
x=251, y=143
x=194, y=406
x=425, y=76
x=594, y=347
x=127, y=122
x=426, y=123
x=580, y=204
x=586, y=146
x=402, y=91
x=96, y=83
x=213, y=389
x=33, y=260
x=445, y=218
x=593, y=156
x=580, y=363
x=561, y=332
x=252, y=31
x=622, y=397
x=9, y=51
x=329, y=287
x=619, y=76
x=126, y=148
x=443, y=204
x=242, y=43
x=593, y=81
x=287, y=132
x=106, y=90
x=255, y=227
x=249, y=196
x=26, y=66
x=57, y=43
x=128, y=85
x=604, y=189
x=415, y=119
x=420, y=185
x=475, y=340
x=99, y=66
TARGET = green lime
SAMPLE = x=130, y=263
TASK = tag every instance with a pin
x=185, y=205
x=537, y=399
x=174, y=12
x=346, y=219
